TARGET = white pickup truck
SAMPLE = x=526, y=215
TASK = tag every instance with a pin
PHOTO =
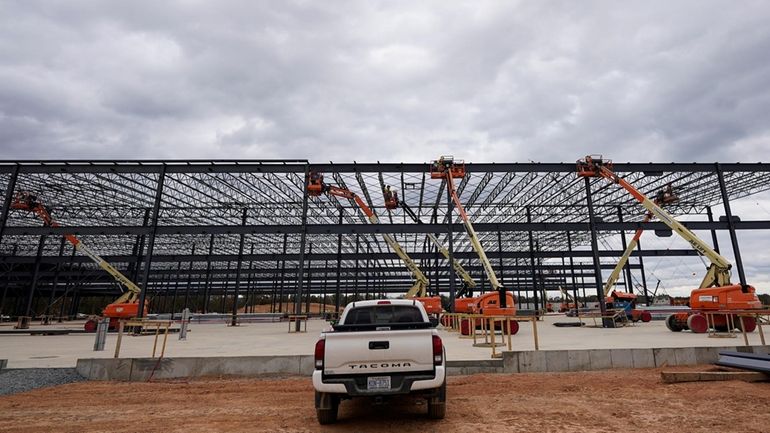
x=380, y=349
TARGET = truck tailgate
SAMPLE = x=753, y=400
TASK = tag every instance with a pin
x=399, y=351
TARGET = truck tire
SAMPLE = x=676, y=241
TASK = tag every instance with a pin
x=437, y=404
x=329, y=404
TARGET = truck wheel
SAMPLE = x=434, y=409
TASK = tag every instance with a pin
x=437, y=404
x=326, y=408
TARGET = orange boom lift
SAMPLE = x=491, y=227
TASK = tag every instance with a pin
x=126, y=306
x=317, y=187
x=497, y=303
x=716, y=293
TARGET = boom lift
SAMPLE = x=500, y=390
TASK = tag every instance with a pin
x=449, y=169
x=317, y=187
x=716, y=292
x=627, y=301
x=127, y=305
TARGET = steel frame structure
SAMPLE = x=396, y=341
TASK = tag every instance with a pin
x=209, y=232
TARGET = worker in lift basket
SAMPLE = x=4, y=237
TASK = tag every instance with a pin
x=388, y=193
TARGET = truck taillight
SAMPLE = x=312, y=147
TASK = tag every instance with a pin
x=438, y=350
x=320, y=348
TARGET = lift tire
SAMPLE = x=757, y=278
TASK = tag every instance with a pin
x=646, y=316
x=90, y=325
x=697, y=323
x=672, y=324
x=514, y=327
x=749, y=323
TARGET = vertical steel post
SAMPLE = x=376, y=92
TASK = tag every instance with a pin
x=532, y=267
x=595, y=250
x=151, y=240
x=8, y=199
x=309, y=278
x=189, y=278
x=238, y=267
x=176, y=288
x=35, y=275
x=207, y=287
x=572, y=270
x=139, y=248
x=302, y=241
x=339, y=269
x=500, y=259
x=731, y=225
x=450, y=239
x=55, y=277
x=713, y=231
x=355, y=267
x=641, y=268
x=283, y=275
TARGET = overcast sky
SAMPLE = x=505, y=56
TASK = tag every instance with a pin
x=389, y=81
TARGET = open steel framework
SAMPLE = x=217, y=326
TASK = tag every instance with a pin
x=202, y=233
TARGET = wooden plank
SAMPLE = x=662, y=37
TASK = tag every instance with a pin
x=712, y=376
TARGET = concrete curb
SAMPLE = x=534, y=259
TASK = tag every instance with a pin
x=141, y=369
x=603, y=359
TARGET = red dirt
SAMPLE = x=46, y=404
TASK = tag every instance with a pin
x=611, y=401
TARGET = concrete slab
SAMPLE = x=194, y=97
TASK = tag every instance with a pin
x=272, y=339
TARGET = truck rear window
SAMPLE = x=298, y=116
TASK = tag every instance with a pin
x=383, y=314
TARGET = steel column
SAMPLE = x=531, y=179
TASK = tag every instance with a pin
x=239, y=266
x=151, y=240
x=595, y=248
x=731, y=225
x=302, y=241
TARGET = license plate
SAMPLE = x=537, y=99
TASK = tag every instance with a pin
x=378, y=382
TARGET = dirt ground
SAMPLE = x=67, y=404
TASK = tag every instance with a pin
x=611, y=401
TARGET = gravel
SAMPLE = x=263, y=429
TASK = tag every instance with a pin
x=13, y=381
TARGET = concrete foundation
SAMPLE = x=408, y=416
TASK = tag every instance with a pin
x=142, y=369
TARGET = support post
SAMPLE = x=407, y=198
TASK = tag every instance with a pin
x=451, y=249
x=302, y=241
x=713, y=231
x=339, y=269
x=283, y=276
x=607, y=323
x=35, y=275
x=151, y=240
x=8, y=198
x=239, y=266
x=207, y=288
x=532, y=267
x=731, y=225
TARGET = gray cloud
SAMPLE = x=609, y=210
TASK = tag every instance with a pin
x=385, y=80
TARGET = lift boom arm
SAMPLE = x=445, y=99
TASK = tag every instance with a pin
x=475, y=243
x=458, y=268
x=27, y=201
x=421, y=281
x=718, y=273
